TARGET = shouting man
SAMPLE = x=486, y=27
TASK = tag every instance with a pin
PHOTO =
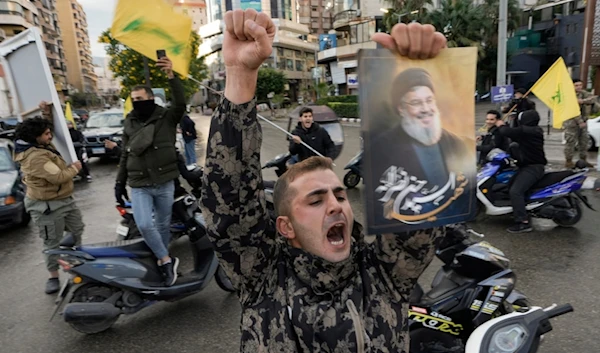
x=309, y=282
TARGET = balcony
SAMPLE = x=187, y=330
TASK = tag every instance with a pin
x=341, y=20
x=344, y=51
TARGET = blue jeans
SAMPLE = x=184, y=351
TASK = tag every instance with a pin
x=190, y=152
x=157, y=201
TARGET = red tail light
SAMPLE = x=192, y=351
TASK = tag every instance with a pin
x=122, y=211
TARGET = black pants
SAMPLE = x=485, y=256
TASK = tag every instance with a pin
x=84, y=168
x=526, y=177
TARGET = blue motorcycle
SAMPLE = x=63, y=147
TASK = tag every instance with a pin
x=557, y=196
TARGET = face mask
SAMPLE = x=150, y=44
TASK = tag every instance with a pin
x=144, y=108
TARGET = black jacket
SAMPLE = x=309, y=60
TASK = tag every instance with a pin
x=149, y=156
x=493, y=139
x=316, y=137
x=530, y=138
x=188, y=128
x=77, y=137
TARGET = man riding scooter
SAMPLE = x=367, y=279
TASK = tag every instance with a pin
x=531, y=161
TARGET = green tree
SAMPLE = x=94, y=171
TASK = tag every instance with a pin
x=269, y=80
x=404, y=8
x=461, y=22
x=128, y=65
x=486, y=68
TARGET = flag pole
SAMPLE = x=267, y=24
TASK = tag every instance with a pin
x=147, y=71
x=262, y=118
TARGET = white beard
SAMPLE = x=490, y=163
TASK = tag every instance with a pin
x=426, y=135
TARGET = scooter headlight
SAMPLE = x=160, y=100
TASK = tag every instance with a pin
x=508, y=339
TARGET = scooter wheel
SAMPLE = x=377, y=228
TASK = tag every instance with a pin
x=223, y=281
x=351, y=179
x=92, y=293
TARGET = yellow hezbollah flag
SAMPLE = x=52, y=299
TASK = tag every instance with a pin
x=69, y=115
x=555, y=88
x=148, y=25
x=127, y=107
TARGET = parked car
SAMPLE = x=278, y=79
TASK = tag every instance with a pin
x=101, y=126
x=12, y=189
x=8, y=123
x=594, y=132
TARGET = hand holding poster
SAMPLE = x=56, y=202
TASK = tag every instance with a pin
x=418, y=127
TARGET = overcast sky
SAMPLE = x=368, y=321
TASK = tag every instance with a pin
x=99, y=16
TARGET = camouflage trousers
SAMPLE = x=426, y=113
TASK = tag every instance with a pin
x=576, y=138
x=53, y=218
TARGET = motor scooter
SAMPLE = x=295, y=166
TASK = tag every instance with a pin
x=518, y=332
x=557, y=196
x=110, y=279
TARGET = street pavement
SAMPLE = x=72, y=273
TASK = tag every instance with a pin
x=553, y=265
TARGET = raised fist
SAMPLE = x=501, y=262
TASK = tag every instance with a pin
x=248, y=39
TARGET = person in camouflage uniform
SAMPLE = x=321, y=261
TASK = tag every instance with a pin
x=576, y=133
x=308, y=282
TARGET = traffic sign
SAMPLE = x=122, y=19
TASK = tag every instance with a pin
x=502, y=93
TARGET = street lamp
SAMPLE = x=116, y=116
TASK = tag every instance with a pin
x=400, y=15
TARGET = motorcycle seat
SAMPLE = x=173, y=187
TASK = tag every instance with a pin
x=269, y=184
x=121, y=248
x=552, y=178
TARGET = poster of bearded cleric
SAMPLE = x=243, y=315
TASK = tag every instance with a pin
x=418, y=125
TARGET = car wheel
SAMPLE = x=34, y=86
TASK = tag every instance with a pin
x=593, y=144
x=25, y=218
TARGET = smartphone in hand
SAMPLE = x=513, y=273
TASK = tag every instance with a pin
x=160, y=53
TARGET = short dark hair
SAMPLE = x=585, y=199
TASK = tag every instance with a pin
x=283, y=194
x=148, y=89
x=494, y=112
x=305, y=110
x=30, y=129
x=521, y=90
x=576, y=80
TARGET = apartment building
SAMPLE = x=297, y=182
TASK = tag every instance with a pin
x=19, y=15
x=195, y=9
x=76, y=42
x=295, y=48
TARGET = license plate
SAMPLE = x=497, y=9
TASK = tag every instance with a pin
x=98, y=150
x=122, y=230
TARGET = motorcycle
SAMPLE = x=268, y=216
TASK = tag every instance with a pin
x=279, y=163
x=474, y=285
x=352, y=178
x=557, y=196
x=111, y=279
x=518, y=332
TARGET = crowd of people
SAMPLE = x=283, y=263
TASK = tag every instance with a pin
x=284, y=270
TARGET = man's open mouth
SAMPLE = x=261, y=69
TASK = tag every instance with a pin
x=335, y=235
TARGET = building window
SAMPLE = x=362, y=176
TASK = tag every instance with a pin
x=299, y=65
x=280, y=51
x=574, y=27
x=288, y=53
x=289, y=64
x=281, y=64
x=568, y=29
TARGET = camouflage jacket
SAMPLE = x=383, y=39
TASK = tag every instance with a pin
x=291, y=300
x=588, y=101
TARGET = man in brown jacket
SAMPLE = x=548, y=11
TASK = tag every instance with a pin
x=49, y=181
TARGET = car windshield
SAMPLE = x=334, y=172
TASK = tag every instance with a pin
x=105, y=120
x=6, y=162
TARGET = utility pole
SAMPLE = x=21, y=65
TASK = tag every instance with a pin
x=501, y=61
x=588, y=33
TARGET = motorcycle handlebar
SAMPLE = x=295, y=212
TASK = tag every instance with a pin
x=559, y=310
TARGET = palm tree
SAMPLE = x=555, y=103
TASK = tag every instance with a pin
x=405, y=8
x=460, y=21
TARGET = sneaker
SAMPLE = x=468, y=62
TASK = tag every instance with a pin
x=169, y=271
x=88, y=178
x=569, y=165
x=520, y=228
x=52, y=286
